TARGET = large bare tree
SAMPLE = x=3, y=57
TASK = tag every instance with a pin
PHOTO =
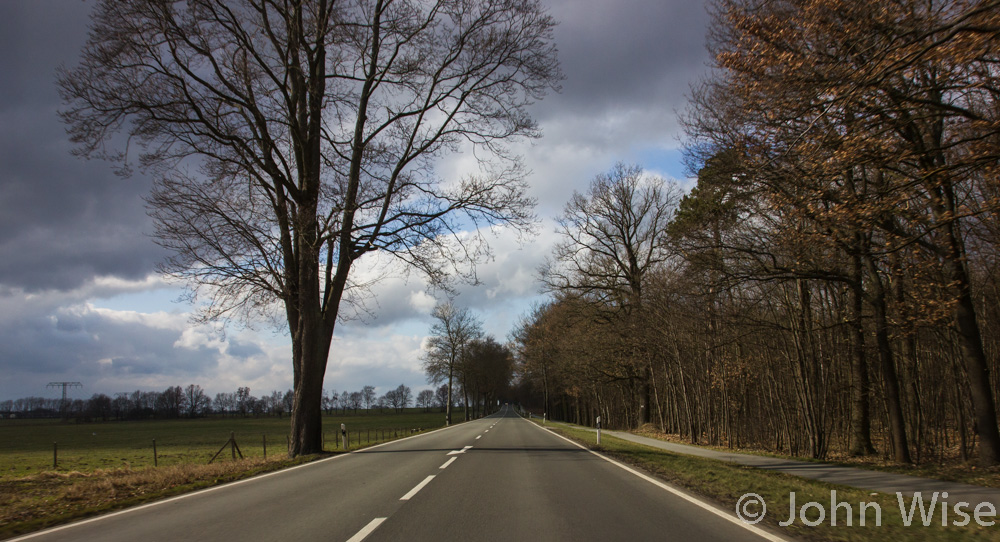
x=288, y=139
x=455, y=328
x=612, y=238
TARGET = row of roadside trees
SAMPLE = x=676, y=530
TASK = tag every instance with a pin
x=466, y=361
x=831, y=284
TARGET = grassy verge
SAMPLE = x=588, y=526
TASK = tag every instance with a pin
x=725, y=483
x=966, y=472
x=109, y=466
x=47, y=499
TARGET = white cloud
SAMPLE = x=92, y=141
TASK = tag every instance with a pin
x=194, y=338
x=384, y=360
x=421, y=301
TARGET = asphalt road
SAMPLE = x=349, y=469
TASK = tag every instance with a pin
x=498, y=478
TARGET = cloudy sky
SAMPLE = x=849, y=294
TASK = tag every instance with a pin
x=79, y=297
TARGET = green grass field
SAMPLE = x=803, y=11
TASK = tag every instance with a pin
x=26, y=446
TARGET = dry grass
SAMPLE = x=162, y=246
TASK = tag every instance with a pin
x=725, y=483
x=951, y=468
x=49, y=498
x=107, y=466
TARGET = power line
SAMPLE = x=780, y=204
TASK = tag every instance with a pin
x=64, y=386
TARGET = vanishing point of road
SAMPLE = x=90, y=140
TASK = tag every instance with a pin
x=497, y=478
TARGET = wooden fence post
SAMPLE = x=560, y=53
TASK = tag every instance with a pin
x=234, y=448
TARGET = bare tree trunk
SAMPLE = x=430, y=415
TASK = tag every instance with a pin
x=804, y=366
x=897, y=423
x=967, y=325
x=656, y=396
x=447, y=411
x=465, y=395
x=645, y=396
x=909, y=356
x=861, y=435
x=689, y=414
x=546, y=408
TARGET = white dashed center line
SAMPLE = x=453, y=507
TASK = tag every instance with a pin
x=448, y=462
x=414, y=491
x=367, y=530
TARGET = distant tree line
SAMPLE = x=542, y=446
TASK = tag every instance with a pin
x=193, y=402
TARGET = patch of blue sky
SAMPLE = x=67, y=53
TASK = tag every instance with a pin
x=666, y=161
x=167, y=298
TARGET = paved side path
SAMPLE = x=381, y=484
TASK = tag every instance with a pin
x=883, y=482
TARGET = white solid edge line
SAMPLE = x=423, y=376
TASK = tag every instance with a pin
x=701, y=504
x=448, y=462
x=214, y=488
x=366, y=530
x=414, y=491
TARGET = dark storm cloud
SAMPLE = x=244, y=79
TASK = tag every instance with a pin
x=74, y=340
x=626, y=54
x=35, y=36
x=629, y=65
x=241, y=349
x=63, y=220
x=111, y=351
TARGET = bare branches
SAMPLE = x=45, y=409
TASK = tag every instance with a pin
x=451, y=335
x=612, y=236
x=289, y=139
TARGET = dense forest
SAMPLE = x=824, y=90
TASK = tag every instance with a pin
x=830, y=286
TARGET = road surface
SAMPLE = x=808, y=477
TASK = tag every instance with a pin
x=497, y=478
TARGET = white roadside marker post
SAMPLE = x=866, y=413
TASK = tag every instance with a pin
x=598, y=430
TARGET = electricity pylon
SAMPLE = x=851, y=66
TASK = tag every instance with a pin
x=64, y=385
